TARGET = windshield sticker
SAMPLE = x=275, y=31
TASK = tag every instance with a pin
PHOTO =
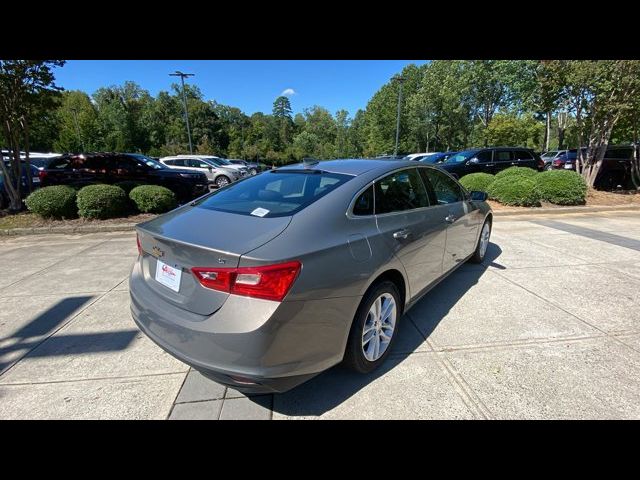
x=260, y=212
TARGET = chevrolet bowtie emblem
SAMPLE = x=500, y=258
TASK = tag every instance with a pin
x=156, y=252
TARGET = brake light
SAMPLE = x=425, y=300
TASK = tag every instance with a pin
x=541, y=163
x=271, y=282
x=139, y=246
x=557, y=162
x=42, y=174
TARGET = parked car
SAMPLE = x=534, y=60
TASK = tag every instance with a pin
x=216, y=175
x=310, y=269
x=84, y=169
x=436, y=158
x=221, y=162
x=254, y=168
x=490, y=160
x=550, y=156
x=24, y=189
x=614, y=172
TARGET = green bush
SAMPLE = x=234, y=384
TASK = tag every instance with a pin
x=477, y=181
x=128, y=185
x=517, y=172
x=153, y=198
x=102, y=201
x=514, y=190
x=562, y=187
x=53, y=202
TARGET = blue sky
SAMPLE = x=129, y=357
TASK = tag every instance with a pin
x=251, y=85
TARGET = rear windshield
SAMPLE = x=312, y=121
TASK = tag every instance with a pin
x=274, y=194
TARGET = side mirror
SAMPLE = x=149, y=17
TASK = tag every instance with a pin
x=478, y=196
x=473, y=161
x=210, y=168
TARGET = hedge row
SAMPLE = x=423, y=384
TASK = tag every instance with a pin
x=526, y=187
x=100, y=201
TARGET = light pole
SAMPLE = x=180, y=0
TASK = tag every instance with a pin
x=400, y=80
x=75, y=121
x=184, y=99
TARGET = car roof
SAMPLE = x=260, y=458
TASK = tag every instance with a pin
x=350, y=166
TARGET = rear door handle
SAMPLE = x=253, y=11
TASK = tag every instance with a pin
x=402, y=234
x=450, y=218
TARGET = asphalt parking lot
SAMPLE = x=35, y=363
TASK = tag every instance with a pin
x=547, y=328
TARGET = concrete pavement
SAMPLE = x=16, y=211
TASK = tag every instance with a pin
x=548, y=328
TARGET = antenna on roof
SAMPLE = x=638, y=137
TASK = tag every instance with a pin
x=309, y=162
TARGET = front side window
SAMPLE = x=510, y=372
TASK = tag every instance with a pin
x=403, y=190
x=275, y=194
x=446, y=189
x=485, y=156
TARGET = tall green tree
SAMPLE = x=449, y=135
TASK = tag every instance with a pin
x=27, y=89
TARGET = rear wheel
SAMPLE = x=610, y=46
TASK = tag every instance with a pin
x=374, y=328
x=549, y=167
x=483, y=243
x=222, y=181
x=253, y=171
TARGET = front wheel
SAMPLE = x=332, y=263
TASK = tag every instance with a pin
x=253, y=171
x=374, y=328
x=222, y=181
x=549, y=167
x=483, y=243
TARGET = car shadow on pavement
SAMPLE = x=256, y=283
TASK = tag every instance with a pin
x=336, y=385
x=34, y=339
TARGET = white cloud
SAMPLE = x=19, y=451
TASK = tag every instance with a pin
x=288, y=92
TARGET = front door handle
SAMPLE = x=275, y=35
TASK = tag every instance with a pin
x=450, y=218
x=402, y=234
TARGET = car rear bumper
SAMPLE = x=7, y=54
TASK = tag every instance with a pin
x=253, y=345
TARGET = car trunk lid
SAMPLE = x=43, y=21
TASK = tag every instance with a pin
x=198, y=237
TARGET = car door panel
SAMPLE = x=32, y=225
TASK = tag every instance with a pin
x=459, y=214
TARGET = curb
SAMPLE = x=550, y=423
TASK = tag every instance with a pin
x=563, y=210
x=128, y=227
x=121, y=227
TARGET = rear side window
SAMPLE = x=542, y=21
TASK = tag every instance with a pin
x=275, y=194
x=619, y=153
x=61, y=163
x=503, y=156
x=522, y=155
x=364, y=203
x=403, y=190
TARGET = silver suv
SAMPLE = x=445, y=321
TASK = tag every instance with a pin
x=217, y=175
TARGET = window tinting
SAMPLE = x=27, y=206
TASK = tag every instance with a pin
x=485, y=156
x=619, y=153
x=364, y=203
x=503, y=156
x=522, y=155
x=445, y=188
x=403, y=190
x=279, y=193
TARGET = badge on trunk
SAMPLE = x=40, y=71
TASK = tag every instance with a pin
x=156, y=252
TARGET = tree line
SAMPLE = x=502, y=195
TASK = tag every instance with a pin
x=445, y=105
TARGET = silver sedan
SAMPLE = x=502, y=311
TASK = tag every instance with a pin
x=267, y=282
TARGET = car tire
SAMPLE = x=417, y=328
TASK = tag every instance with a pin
x=222, y=181
x=253, y=171
x=365, y=321
x=481, y=247
x=548, y=167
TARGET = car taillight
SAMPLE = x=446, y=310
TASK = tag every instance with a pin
x=557, y=162
x=42, y=174
x=139, y=246
x=541, y=163
x=271, y=282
